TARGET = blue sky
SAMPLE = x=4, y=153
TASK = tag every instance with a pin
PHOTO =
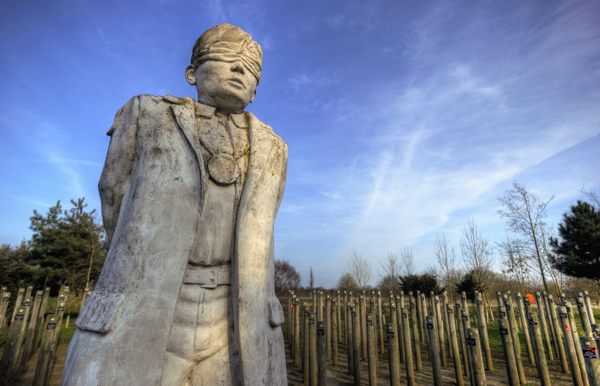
x=403, y=119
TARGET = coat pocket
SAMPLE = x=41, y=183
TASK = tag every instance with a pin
x=275, y=312
x=100, y=312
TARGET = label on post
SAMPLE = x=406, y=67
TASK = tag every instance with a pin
x=471, y=342
x=503, y=331
x=51, y=326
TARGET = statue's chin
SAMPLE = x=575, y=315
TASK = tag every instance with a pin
x=227, y=102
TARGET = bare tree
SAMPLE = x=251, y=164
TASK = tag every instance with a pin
x=286, y=276
x=360, y=269
x=347, y=282
x=477, y=257
x=390, y=266
x=446, y=257
x=515, y=262
x=407, y=261
x=476, y=253
x=525, y=214
x=390, y=277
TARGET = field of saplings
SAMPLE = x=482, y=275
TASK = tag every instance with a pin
x=366, y=338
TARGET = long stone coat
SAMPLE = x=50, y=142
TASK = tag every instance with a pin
x=152, y=189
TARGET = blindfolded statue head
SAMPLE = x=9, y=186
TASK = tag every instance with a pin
x=225, y=68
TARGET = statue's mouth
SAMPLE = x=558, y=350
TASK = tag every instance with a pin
x=237, y=81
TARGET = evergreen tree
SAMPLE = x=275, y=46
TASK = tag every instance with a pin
x=14, y=273
x=425, y=283
x=577, y=250
x=66, y=245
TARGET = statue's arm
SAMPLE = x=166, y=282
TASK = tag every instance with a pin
x=116, y=174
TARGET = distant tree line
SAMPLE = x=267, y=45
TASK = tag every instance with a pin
x=66, y=247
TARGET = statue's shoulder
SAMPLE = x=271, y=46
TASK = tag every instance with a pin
x=268, y=131
x=148, y=104
x=149, y=100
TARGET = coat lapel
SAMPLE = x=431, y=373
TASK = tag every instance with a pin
x=185, y=118
x=260, y=154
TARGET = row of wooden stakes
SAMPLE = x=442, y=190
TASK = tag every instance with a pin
x=31, y=330
x=319, y=325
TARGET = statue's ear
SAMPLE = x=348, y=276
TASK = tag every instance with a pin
x=190, y=76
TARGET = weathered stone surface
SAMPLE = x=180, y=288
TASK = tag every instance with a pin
x=189, y=195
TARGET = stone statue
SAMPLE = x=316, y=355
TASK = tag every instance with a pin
x=189, y=192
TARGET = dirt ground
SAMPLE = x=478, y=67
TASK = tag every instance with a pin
x=337, y=375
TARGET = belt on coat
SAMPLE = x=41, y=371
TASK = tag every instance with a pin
x=207, y=277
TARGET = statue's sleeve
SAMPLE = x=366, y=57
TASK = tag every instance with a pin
x=116, y=174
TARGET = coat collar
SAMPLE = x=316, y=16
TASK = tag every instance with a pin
x=206, y=111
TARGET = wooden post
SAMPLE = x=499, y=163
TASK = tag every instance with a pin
x=515, y=337
x=32, y=327
x=420, y=318
x=452, y=333
x=297, y=313
x=415, y=333
x=394, y=323
x=289, y=319
x=524, y=324
x=47, y=352
x=356, y=347
x=306, y=345
x=327, y=327
x=371, y=352
x=319, y=313
x=407, y=344
x=394, y=360
x=482, y=326
x=444, y=306
x=338, y=312
x=313, y=360
x=321, y=368
x=434, y=351
x=344, y=310
x=476, y=358
x=509, y=354
x=463, y=339
x=559, y=333
x=4, y=306
x=440, y=330
x=380, y=326
x=42, y=315
x=350, y=339
x=588, y=305
x=540, y=355
x=583, y=315
x=335, y=332
x=590, y=355
x=568, y=340
x=544, y=326
x=576, y=341
x=401, y=349
x=554, y=326
x=363, y=326
x=14, y=342
x=18, y=301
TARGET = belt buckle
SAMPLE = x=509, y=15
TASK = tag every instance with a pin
x=211, y=279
